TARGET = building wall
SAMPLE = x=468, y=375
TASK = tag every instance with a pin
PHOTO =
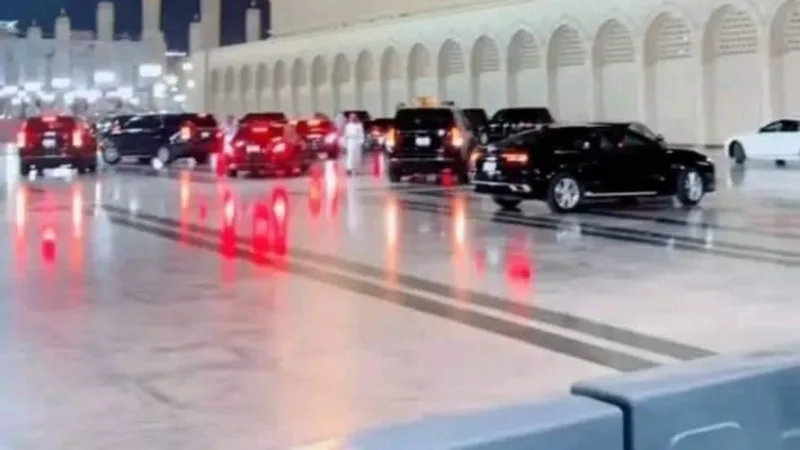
x=696, y=71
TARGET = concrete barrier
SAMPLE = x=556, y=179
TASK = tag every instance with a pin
x=718, y=403
x=564, y=423
x=746, y=402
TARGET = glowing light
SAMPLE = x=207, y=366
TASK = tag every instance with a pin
x=460, y=223
x=186, y=191
x=21, y=209
x=279, y=209
x=391, y=218
x=77, y=212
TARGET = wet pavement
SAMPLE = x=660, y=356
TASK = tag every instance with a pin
x=168, y=310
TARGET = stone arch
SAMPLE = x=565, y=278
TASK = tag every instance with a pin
x=280, y=83
x=391, y=76
x=299, y=85
x=320, y=91
x=567, y=74
x=245, y=89
x=525, y=77
x=420, y=70
x=784, y=44
x=365, y=81
x=669, y=101
x=615, y=71
x=340, y=79
x=451, y=68
x=214, y=82
x=229, y=81
x=730, y=52
x=485, y=70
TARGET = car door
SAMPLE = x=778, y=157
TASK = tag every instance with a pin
x=635, y=161
x=786, y=142
x=765, y=143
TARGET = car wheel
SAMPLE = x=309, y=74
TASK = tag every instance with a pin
x=111, y=155
x=395, y=176
x=564, y=194
x=780, y=163
x=24, y=170
x=463, y=174
x=690, y=189
x=201, y=160
x=233, y=173
x=507, y=203
x=737, y=153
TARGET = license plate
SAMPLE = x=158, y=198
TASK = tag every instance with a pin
x=490, y=166
x=423, y=141
x=253, y=149
x=49, y=143
x=322, y=155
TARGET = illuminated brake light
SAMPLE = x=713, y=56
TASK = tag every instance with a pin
x=280, y=147
x=391, y=138
x=77, y=138
x=456, y=138
x=259, y=129
x=48, y=119
x=516, y=158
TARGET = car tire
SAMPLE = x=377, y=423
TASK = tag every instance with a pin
x=780, y=163
x=690, y=188
x=463, y=174
x=164, y=155
x=24, y=170
x=232, y=173
x=111, y=156
x=201, y=160
x=506, y=203
x=737, y=152
x=564, y=193
x=395, y=176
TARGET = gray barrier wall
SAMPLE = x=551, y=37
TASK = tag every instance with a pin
x=720, y=403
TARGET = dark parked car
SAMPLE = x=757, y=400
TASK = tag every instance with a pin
x=430, y=140
x=268, y=146
x=166, y=137
x=479, y=121
x=567, y=165
x=508, y=121
x=377, y=132
x=54, y=141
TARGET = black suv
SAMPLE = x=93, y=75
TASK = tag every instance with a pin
x=508, y=121
x=52, y=141
x=566, y=165
x=166, y=137
x=430, y=140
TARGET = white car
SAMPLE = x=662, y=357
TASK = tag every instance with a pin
x=777, y=141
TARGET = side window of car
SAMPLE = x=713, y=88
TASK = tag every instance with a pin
x=790, y=126
x=635, y=141
x=771, y=127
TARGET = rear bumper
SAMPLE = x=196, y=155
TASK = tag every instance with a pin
x=196, y=150
x=423, y=165
x=264, y=163
x=51, y=162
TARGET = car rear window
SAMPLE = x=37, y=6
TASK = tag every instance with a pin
x=382, y=123
x=363, y=116
x=517, y=115
x=41, y=124
x=424, y=118
x=200, y=120
x=476, y=116
x=263, y=117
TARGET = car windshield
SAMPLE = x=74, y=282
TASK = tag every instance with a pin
x=424, y=118
x=645, y=131
x=476, y=116
x=41, y=124
x=517, y=115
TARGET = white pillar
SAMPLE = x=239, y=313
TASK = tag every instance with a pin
x=105, y=21
x=210, y=12
x=767, y=81
x=63, y=32
x=196, y=43
x=151, y=18
x=253, y=23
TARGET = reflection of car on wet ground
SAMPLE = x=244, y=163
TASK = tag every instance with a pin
x=54, y=141
x=568, y=165
x=165, y=138
x=266, y=147
x=777, y=141
x=430, y=139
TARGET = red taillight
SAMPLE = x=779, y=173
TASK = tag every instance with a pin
x=279, y=147
x=22, y=139
x=48, y=119
x=456, y=137
x=391, y=138
x=77, y=138
x=259, y=130
x=516, y=158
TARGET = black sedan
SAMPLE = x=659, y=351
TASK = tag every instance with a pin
x=568, y=165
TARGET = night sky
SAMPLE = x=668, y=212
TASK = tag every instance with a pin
x=176, y=16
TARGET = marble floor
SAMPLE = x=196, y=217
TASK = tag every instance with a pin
x=178, y=310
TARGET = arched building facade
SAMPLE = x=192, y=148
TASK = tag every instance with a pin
x=696, y=71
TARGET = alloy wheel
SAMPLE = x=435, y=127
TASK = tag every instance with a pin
x=567, y=193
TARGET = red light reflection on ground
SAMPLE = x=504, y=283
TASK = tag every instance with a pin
x=48, y=244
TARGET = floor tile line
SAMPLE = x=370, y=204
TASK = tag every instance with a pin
x=535, y=337
x=582, y=325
